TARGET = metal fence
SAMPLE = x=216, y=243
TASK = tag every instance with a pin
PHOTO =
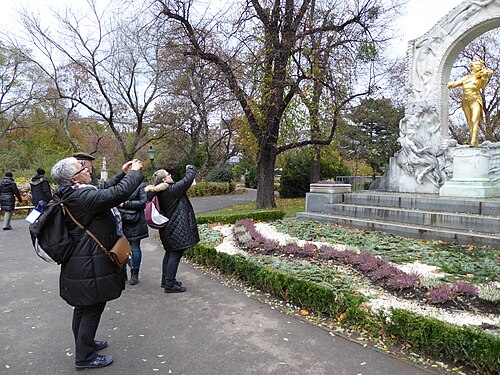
x=357, y=182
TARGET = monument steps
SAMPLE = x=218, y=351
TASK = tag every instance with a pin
x=426, y=202
x=457, y=221
x=423, y=216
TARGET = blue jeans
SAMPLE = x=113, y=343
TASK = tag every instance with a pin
x=136, y=254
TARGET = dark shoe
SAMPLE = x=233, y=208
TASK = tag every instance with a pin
x=100, y=361
x=100, y=344
x=7, y=228
x=175, y=289
x=179, y=283
x=134, y=279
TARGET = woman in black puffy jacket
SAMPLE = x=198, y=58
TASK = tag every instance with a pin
x=181, y=231
x=88, y=278
x=8, y=194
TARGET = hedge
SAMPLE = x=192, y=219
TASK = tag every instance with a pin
x=231, y=219
x=203, y=188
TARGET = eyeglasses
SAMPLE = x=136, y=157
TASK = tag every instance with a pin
x=80, y=171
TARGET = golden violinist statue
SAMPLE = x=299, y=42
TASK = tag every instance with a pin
x=472, y=103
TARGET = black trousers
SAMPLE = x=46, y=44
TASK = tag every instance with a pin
x=85, y=322
x=171, y=261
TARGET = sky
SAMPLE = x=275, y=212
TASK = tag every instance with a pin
x=419, y=17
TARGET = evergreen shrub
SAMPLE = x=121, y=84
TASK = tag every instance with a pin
x=221, y=173
x=203, y=188
x=251, y=177
x=295, y=177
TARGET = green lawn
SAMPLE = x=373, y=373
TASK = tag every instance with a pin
x=291, y=206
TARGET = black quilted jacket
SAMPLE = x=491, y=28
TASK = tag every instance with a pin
x=8, y=194
x=89, y=277
x=181, y=231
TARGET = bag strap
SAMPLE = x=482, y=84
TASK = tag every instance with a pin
x=104, y=250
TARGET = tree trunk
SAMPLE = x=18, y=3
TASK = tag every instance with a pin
x=265, y=176
x=315, y=169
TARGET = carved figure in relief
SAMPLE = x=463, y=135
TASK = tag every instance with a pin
x=423, y=68
x=424, y=64
x=466, y=14
x=417, y=160
x=472, y=103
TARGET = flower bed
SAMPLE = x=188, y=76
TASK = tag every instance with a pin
x=377, y=270
x=394, y=294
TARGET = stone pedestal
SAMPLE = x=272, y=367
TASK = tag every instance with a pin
x=471, y=174
x=322, y=195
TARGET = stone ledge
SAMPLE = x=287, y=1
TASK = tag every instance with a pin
x=330, y=188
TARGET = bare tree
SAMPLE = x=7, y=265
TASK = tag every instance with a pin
x=21, y=87
x=106, y=64
x=195, y=107
x=266, y=39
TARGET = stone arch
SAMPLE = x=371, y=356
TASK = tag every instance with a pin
x=451, y=55
x=422, y=167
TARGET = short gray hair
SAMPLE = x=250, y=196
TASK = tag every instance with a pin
x=63, y=170
x=158, y=176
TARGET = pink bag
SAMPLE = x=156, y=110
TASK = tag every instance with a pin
x=154, y=218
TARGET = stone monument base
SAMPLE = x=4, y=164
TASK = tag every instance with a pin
x=324, y=194
x=472, y=174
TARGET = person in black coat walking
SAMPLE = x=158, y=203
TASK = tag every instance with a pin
x=181, y=231
x=8, y=194
x=135, y=228
x=40, y=188
x=88, y=279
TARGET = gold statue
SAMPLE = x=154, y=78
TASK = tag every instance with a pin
x=472, y=103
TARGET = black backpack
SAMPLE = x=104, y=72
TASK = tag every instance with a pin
x=50, y=235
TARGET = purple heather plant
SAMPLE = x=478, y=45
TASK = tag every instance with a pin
x=362, y=258
x=401, y=280
x=308, y=249
x=257, y=240
x=253, y=244
x=244, y=223
x=328, y=252
x=441, y=294
x=369, y=265
x=346, y=256
x=383, y=272
x=465, y=289
x=270, y=245
x=292, y=249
